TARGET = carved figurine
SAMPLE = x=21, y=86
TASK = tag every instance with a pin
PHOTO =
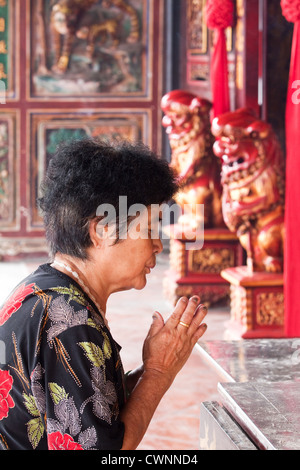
x=102, y=32
x=253, y=186
x=127, y=9
x=187, y=123
x=65, y=21
x=66, y=18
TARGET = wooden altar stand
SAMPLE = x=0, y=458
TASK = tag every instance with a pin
x=198, y=271
x=256, y=303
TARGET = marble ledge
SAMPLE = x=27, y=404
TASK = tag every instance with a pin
x=268, y=412
x=253, y=360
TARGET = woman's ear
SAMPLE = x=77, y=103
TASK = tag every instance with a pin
x=101, y=233
x=96, y=232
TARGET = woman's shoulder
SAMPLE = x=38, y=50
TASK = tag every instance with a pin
x=47, y=311
x=50, y=297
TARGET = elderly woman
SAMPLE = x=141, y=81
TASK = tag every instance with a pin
x=63, y=385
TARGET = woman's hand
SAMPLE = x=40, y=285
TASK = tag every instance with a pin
x=169, y=344
x=166, y=349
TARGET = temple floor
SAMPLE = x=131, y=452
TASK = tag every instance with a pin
x=175, y=425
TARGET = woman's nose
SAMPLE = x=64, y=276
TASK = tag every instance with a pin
x=157, y=245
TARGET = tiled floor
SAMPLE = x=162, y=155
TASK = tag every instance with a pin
x=175, y=425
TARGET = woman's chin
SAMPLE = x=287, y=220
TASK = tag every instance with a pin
x=137, y=285
x=141, y=283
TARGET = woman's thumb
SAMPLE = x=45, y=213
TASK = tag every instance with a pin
x=157, y=323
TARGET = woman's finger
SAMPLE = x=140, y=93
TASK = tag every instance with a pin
x=199, y=332
x=198, y=318
x=174, y=319
x=189, y=313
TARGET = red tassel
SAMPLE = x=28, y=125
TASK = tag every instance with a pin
x=291, y=10
x=219, y=16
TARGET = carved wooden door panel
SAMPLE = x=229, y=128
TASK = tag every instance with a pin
x=194, y=50
x=245, y=43
x=258, y=47
x=70, y=69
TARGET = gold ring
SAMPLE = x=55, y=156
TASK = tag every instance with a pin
x=184, y=324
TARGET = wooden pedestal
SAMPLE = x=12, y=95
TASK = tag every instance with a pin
x=257, y=304
x=197, y=272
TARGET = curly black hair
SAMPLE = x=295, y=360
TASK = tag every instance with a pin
x=84, y=174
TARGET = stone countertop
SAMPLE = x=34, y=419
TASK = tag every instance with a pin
x=268, y=412
x=261, y=388
x=254, y=360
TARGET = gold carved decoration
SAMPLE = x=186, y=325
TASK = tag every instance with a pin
x=196, y=26
x=240, y=39
x=240, y=44
x=240, y=9
x=199, y=72
x=210, y=260
x=241, y=306
x=177, y=257
x=270, y=308
x=209, y=293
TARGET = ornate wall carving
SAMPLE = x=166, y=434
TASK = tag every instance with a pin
x=9, y=167
x=70, y=68
x=90, y=48
x=48, y=128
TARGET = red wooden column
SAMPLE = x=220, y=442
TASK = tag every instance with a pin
x=291, y=11
x=248, y=54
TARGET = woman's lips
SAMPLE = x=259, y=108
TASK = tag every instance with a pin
x=150, y=267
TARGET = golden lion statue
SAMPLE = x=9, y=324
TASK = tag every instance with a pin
x=187, y=123
x=253, y=186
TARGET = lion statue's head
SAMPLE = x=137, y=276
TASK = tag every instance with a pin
x=252, y=178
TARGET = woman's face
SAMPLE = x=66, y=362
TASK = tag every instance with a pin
x=128, y=262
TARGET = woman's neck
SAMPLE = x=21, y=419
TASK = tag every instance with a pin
x=83, y=272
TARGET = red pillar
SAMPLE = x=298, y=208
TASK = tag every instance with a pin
x=291, y=10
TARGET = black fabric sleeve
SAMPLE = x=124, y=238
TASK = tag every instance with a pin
x=78, y=382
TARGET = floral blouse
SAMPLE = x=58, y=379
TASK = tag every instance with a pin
x=62, y=380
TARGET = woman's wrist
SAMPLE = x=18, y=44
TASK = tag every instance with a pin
x=131, y=379
x=141, y=405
